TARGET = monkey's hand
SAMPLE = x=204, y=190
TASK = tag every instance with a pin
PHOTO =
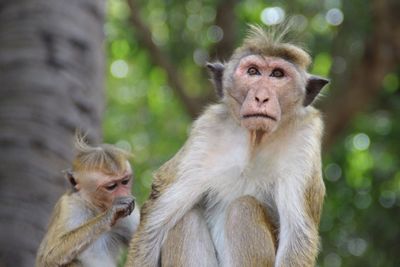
x=122, y=207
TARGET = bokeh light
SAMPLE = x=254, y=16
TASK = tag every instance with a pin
x=357, y=246
x=215, y=33
x=272, y=15
x=361, y=141
x=382, y=122
x=333, y=172
x=362, y=200
x=332, y=260
x=334, y=16
x=319, y=24
x=200, y=57
x=387, y=199
x=119, y=68
x=300, y=22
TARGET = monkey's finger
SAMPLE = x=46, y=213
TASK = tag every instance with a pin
x=130, y=208
x=133, y=204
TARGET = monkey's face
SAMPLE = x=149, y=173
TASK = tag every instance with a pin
x=112, y=187
x=101, y=189
x=264, y=90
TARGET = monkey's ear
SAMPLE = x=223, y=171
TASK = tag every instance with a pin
x=71, y=179
x=217, y=71
x=313, y=87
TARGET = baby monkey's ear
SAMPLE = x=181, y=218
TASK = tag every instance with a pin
x=313, y=87
x=71, y=179
x=216, y=70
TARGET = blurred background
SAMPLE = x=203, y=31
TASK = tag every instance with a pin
x=131, y=73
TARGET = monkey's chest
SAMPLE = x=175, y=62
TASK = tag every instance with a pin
x=216, y=210
x=239, y=177
x=101, y=253
x=232, y=172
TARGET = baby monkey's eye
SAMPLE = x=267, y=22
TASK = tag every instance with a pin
x=111, y=187
x=253, y=71
x=125, y=182
x=277, y=73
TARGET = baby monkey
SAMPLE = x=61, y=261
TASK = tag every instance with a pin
x=93, y=220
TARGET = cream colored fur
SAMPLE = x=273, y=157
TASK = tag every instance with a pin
x=221, y=166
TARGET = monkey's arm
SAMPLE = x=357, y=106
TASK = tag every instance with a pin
x=163, y=215
x=170, y=200
x=63, y=245
x=299, y=220
x=67, y=246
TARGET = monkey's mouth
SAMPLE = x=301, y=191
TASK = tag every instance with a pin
x=259, y=115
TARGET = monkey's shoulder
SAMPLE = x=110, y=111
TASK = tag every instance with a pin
x=73, y=211
x=63, y=209
x=314, y=118
x=213, y=116
x=166, y=174
x=209, y=123
x=306, y=128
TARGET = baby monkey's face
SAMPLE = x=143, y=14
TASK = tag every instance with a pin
x=101, y=189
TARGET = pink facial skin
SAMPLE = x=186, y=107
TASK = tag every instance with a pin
x=264, y=87
x=111, y=187
x=118, y=186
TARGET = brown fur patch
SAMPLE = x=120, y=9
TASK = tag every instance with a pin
x=104, y=158
x=189, y=243
x=270, y=43
x=256, y=137
x=314, y=196
x=163, y=178
x=250, y=234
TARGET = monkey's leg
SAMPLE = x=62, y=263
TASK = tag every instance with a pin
x=249, y=235
x=189, y=243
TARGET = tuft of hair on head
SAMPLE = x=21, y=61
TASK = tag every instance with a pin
x=104, y=158
x=272, y=41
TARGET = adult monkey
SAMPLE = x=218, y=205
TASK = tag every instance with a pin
x=246, y=188
x=93, y=220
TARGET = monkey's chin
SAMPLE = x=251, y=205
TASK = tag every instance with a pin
x=259, y=124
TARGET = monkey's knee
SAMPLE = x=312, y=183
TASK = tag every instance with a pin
x=184, y=229
x=191, y=224
x=242, y=208
x=189, y=243
x=248, y=208
x=193, y=218
x=249, y=233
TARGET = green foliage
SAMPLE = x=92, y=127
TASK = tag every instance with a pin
x=361, y=214
x=360, y=223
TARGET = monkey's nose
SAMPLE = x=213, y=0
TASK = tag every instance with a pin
x=261, y=100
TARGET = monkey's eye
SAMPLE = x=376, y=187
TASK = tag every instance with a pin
x=125, y=182
x=253, y=71
x=111, y=187
x=277, y=73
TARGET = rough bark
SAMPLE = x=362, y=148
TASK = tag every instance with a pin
x=51, y=82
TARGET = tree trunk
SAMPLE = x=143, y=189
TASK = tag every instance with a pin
x=51, y=83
